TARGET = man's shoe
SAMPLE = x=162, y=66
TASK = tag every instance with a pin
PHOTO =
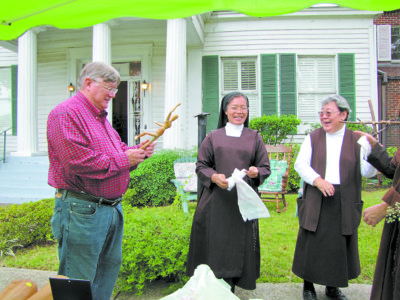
x=335, y=293
x=309, y=295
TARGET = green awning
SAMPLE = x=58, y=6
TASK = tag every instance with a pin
x=17, y=16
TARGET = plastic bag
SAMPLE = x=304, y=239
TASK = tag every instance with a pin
x=250, y=205
x=203, y=285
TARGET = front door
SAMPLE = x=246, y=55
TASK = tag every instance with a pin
x=128, y=111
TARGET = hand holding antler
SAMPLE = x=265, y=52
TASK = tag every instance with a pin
x=160, y=131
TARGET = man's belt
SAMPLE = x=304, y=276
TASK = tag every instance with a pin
x=90, y=198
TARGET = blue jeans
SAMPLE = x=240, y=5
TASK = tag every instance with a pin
x=89, y=239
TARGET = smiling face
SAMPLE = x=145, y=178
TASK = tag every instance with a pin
x=98, y=93
x=331, y=117
x=237, y=111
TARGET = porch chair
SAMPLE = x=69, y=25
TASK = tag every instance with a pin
x=186, y=180
x=275, y=186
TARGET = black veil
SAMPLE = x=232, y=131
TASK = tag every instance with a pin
x=223, y=118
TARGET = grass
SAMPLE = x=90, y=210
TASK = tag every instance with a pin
x=277, y=237
x=36, y=257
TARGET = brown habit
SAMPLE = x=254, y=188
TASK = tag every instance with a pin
x=386, y=284
x=220, y=238
x=327, y=244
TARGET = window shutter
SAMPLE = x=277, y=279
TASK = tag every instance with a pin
x=14, y=82
x=384, y=40
x=269, y=84
x=210, y=87
x=288, y=87
x=347, y=88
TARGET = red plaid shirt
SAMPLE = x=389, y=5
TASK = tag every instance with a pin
x=85, y=152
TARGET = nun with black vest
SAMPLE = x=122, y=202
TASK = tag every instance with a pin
x=331, y=162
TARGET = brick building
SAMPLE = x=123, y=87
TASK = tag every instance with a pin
x=388, y=37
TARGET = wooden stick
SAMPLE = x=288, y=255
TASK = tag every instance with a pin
x=372, y=122
x=371, y=109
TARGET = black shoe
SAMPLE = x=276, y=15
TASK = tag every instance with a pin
x=309, y=295
x=335, y=293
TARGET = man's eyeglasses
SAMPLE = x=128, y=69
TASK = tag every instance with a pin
x=236, y=108
x=326, y=113
x=109, y=89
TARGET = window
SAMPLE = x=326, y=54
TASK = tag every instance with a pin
x=395, y=42
x=240, y=74
x=132, y=68
x=388, y=42
x=316, y=80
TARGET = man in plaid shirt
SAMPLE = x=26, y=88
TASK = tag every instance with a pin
x=89, y=167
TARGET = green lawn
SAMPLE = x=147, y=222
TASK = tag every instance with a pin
x=277, y=237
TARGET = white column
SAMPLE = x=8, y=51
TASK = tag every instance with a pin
x=27, y=135
x=101, y=50
x=175, y=80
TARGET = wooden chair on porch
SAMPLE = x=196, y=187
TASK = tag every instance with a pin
x=274, y=187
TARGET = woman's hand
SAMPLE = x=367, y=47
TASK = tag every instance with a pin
x=372, y=141
x=220, y=180
x=252, y=172
x=324, y=186
x=374, y=214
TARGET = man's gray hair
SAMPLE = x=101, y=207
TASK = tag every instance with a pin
x=98, y=70
x=340, y=101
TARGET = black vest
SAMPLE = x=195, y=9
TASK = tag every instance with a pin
x=350, y=183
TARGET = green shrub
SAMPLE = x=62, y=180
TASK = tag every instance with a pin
x=294, y=177
x=275, y=129
x=150, y=183
x=360, y=127
x=27, y=224
x=155, y=246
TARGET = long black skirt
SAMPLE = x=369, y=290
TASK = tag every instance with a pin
x=326, y=256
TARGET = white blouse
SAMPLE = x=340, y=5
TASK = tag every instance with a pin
x=334, y=143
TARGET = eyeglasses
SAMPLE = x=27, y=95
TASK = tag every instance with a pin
x=326, y=113
x=237, y=108
x=109, y=89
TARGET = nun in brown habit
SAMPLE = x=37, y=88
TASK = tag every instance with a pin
x=219, y=237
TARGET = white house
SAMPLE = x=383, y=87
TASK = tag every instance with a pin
x=285, y=64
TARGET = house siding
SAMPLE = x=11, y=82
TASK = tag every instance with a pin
x=311, y=32
x=7, y=57
x=301, y=35
x=54, y=60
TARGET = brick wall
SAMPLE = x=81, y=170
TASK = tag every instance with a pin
x=393, y=112
x=389, y=18
x=393, y=85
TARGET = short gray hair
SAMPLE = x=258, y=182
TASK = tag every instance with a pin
x=340, y=101
x=98, y=70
